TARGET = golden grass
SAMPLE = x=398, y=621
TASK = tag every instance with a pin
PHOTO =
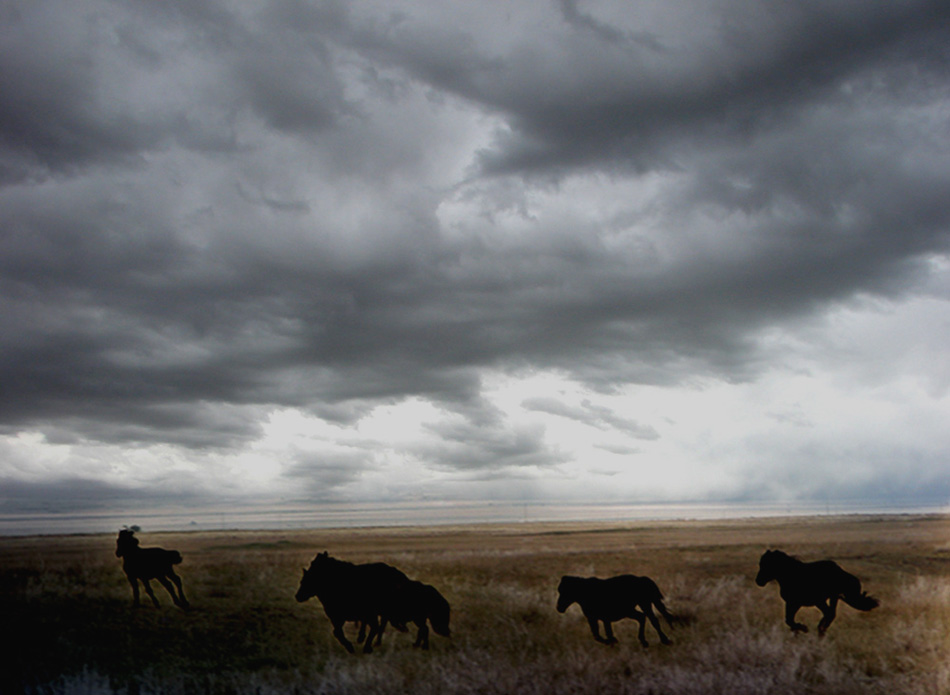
x=67, y=605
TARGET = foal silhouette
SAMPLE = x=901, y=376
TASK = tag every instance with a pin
x=818, y=584
x=415, y=602
x=609, y=600
x=143, y=564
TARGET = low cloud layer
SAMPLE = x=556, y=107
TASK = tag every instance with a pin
x=357, y=251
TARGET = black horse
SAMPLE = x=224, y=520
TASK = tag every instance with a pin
x=415, y=602
x=818, y=584
x=613, y=599
x=143, y=564
x=351, y=592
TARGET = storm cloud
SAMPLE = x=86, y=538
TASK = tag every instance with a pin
x=328, y=248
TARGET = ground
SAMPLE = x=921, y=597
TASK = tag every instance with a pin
x=68, y=605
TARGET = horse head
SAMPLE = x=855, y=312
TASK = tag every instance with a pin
x=566, y=594
x=439, y=612
x=125, y=542
x=769, y=566
x=308, y=582
x=306, y=588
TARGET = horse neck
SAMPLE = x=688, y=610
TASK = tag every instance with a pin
x=786, y=565
x=334, y=576
x=128, y=550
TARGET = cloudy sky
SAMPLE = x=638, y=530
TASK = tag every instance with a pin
x=438, y=250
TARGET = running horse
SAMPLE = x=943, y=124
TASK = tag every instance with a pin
x=351, y=592
x=819, y=584
x=612, y=599
x=143, y=564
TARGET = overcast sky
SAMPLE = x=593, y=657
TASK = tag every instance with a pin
x=434, y=250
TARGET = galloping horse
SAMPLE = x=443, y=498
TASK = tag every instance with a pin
x=613, y=599
x=143, y=564
x=818, y=584
x=351, y=592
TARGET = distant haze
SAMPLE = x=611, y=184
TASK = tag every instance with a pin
x=397, y=252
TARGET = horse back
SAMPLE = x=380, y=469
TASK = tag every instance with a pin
x=358, y=592
x=815, y=582
x=149, y=563
x=611, y=598
x=632, y=585
x=381, y=572
x=160, y=555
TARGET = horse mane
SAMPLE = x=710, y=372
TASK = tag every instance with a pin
x=782, y=555
x=570, y=581
x=325, y=557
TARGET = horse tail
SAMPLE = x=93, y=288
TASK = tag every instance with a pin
x=852, y=595
x=670, y=619
x=862, y=601
x=657, y=600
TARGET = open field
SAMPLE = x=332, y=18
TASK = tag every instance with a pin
x=68, y=607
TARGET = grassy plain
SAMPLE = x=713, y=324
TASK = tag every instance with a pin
x=67, y=606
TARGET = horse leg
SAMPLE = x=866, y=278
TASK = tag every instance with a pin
x=609, y=633
x=373, y=631
x=828, y=611
x=790, y=610
x=181, y=592
x=656, y=624
x=151, y=594
x=135, y=590
x=362, y=635
x=595, y=629
x=382, y=626
x=641, y=633
x=422, y=638
x=178, y=598
x=170, y=589
x=340, y=636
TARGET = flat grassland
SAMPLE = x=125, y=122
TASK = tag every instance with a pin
x=66, y=605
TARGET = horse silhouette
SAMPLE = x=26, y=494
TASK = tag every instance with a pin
x=143, y=564
x=616, y=598
x=818, y=584
x=419, y=603
x=351, y=592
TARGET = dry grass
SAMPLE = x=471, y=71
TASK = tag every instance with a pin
x=67, y=604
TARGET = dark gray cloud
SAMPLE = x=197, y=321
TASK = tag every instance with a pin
x=80, y=494
x=210, y=213
x=593, y=415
